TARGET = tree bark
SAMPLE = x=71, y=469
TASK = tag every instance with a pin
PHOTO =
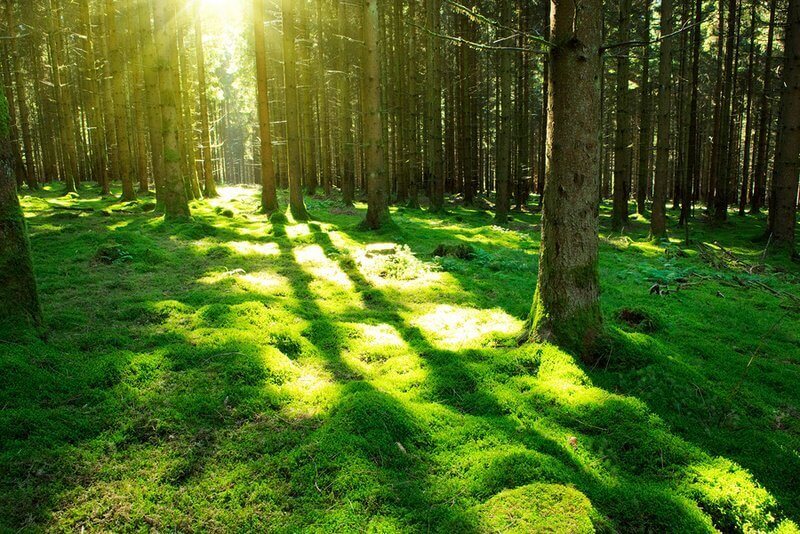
x=17, y=283
x=269, y=196
x=176, y=205
x=374, y=150
x=645, y=135
x=566, y=306
x=658, y=222
x=760, y=171
x=293, y=142
x=622, y=140
x=783, y=197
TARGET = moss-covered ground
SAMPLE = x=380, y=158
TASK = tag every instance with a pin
x=232, y=374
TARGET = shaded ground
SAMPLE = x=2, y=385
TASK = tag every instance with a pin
x=231, y=374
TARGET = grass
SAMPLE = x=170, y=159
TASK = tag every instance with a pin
x=236, y=374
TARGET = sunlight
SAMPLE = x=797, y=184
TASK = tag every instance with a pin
x=314, y=260
x=458, y=327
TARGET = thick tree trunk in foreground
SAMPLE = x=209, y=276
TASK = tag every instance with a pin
x=176, y=205
x=566, y=306
x=293, y=145
x=20, y=301
x=783, y=200
x=378, y=183
x=658, y=222
x=269, y=196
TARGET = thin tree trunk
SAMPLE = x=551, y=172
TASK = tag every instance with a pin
x=269, y=196
x=762, y=145
x=210, y=188
x=645, y=135
x=658, y=222
x=622, y=140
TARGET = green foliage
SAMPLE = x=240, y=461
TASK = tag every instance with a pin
x=239, y=374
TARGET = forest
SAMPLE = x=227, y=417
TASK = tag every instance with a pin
x=399, y=266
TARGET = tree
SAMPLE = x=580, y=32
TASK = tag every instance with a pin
x=269, y=196
x=434, y=164
x=783, y=198
x=503, y=174
x=645, y=135
x=176, y=205
x=347, y=157
x=723, y=174
x=293, y=146
x=17, y=283
x=210, y=188
x=378, y=183
x=760, y=171
x=566, y=305
x=117, y=62
x=622, y=139
x=658, y=221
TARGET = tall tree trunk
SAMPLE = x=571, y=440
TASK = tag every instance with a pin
x=348, y=177
x=566, y=306
x=293, y=142
x=118, y=62
x=378, y=186
x=504, y=126
x=645, y=135
x=176, y=205
x=433, y=105
x=658, y=222
x=723, y=174
x=17, y=283
x=622, y=140
x=783, y=197
x=323, y=116
x=760, y=172
x=748, y=129
x=63, y=99
x=152, y=98
x=693, y=149
x=210, y=188
x=269, y=196
x=21, y=100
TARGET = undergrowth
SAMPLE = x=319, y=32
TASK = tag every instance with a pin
x=234, y=373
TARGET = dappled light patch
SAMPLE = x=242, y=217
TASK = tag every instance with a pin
x=538, y=508
x=390, y=264
x=460, y=327
x=312, y=258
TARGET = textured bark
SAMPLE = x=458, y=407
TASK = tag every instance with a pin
x=658, y=223
x=63, y=99
x=645, y=135
x=209, y=187
x=433, y=106
x=745, y=185
x=17, y=283
x=760, y=171
x=293, y=142
x=374, y=150
x=693, y=150
x=347, y=157
x=323, y=115
x=117, y=63
x=269, y=197
x=723, y=173
x=176, y=205
x=566, y=306
x=22, y=99
x=152, y=99
x=622, y=139
x=783, y=197
x=504, y=127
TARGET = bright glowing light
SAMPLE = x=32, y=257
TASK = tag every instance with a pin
x=458, y=327
x=315, y=262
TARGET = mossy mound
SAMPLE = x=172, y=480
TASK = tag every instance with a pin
x=538, y=508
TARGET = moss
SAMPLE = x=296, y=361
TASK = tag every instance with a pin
x=5, y=120
x=538, y=508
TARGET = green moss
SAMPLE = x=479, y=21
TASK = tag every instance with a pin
x=244, y=380
x=538, y=508
x=5, y=122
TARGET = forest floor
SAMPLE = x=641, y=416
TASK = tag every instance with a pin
x=228, y=374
